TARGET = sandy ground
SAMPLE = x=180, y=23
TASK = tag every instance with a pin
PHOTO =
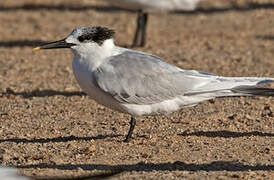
x=49, y=128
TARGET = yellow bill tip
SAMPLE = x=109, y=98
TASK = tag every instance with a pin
x=37, y=48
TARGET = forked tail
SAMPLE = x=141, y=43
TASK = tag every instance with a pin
x=236, y=86
x=253, y=91
x=248, y=86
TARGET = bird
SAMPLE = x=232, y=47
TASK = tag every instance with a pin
x=143, y=7
x=139, y=83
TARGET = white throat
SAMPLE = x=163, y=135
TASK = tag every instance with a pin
x=94, y=54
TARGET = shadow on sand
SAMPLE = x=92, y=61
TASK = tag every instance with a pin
x=68, y=7
x=62, y=7
x=227, y=134
x=41, y=93
x=265, y=37
x=57, y=139
x=147, y=167
x=21, y=43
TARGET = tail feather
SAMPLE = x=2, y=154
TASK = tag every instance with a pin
x=253, y=91
x=248, y=86
x=231, y=87
x=235, y=86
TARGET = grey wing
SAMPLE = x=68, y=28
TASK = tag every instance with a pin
x=138, y=78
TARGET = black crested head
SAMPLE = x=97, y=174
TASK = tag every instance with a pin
x=96, y=34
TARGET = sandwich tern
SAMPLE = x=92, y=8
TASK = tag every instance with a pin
x=151, y=6
x=138, y=83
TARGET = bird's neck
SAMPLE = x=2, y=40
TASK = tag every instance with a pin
x=94, y=55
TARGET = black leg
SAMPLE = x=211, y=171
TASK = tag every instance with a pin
x=132, y=125
x=144, y=29
x=139, y=27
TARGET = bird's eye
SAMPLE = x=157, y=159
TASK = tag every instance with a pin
x=81, y=38
x=88, y=37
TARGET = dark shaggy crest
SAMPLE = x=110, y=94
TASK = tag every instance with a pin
x=96, y=34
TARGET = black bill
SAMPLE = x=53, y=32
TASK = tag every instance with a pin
x=56, y=44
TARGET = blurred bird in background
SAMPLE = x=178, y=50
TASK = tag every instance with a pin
x=151, y=6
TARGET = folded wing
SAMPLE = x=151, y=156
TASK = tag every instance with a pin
x=137, y=78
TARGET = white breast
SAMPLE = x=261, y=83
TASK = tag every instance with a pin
x=84, y=76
